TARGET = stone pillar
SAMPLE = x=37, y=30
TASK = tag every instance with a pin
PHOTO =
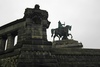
x=24, y=33
x=10, y=43
x=2, y=44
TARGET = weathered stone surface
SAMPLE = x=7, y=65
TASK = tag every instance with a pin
x=69, y=43
x=77, y=57
x=56, y=57
x=32, y=57
x=9, y=62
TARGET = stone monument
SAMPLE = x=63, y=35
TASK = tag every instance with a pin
x=63, y=32
x=34, y=50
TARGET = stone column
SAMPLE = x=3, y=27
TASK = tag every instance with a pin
x=2, y=44
x=10, y=43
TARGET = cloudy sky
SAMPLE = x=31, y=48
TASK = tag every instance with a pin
x=83, y=15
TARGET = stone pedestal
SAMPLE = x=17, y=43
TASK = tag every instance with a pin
x=35, y=50
x=69, y=43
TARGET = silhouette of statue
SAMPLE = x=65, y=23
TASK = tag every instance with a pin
x=61, y=31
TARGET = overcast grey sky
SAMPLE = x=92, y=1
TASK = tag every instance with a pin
x=83, y=15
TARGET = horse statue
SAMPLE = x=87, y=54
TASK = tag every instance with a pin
x=61, y=32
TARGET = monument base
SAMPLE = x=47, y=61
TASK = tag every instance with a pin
x=69, y=43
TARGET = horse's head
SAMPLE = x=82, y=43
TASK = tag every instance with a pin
x=68, y=27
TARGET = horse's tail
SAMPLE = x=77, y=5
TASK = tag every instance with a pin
x=52, y=32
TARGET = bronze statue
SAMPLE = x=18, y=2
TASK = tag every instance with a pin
x=61, y=31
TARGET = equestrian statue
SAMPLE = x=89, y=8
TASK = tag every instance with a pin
x=61, y=32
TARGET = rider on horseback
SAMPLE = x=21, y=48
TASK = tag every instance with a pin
x=61, y=32
x=60, y=25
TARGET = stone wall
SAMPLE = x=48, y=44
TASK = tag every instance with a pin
x=9, y=58
x=34, y=56
x=9, y=61
x=67, y=57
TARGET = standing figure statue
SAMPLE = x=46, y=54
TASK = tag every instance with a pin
x=61, y=31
